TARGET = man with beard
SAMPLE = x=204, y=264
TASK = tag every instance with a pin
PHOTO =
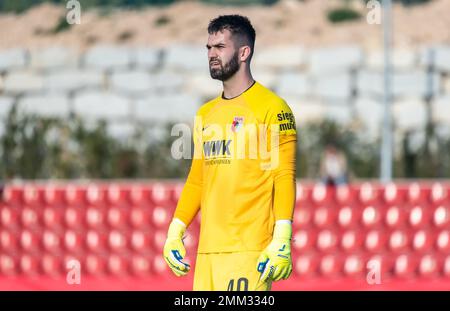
x=246, y=200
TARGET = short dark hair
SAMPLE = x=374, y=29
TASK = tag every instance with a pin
x=238, y=25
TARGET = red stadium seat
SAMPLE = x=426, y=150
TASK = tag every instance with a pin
x=140, y=218
x=74, y=217
x=54, y=195
x=13, y=195
x=73, y=241
x=423, y=241
x=395, y=216
x=140, y=241
x=160, y=267
x=51, y=242
x=428, y=266
x=191, y=242
x=161, y=217
x=324, y=217
x=96, y=217
x=375, y=240
x=8, y=242
x=29, y=265
x=33, y=195
x=118, y=195
x=323, y=195
x=446, y=267
x=9, y=217
x=330, y=265
x=368, y=194
x=384, y=262
x=395, y=195
x=372, y=216
x=345, y=195
x=438, y=193
x=327, y=240
x=354, y=266
x=418, y=194
x=302, y=217
x=159, y=238
x=349, y=216
x=52, y=217
x=95, y=265
x=351, y=241
x=96, y=195
x=399, y=241
x=443, y=241
x=96, y=241
x=160, y=194
x=177, y=188
x=75, y=195
x=306, y=266
x=8, y=265
x=303, y=195
x=141, y=265
x=304, y=240
x=29, y=241
x=117, y=217
x=441, y=216
x=405, y=266
x=140, y=195
x=51, y=265
x=29, y=218
x=419, y=217
x=117, y=241
x=117, y=265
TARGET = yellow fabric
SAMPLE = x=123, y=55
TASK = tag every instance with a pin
x=174, y=250
x=241, y=191
x=228, y=272
x=189, y=202
x=275, y=262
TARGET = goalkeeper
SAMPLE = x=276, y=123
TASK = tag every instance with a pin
x=246, y=202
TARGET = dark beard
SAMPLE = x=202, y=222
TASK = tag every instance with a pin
x=225, y=72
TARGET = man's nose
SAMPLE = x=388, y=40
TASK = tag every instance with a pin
x=212, y=54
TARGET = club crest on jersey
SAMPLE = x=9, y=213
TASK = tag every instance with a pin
x=237, y=124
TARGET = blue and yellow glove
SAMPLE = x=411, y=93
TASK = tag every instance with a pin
x=174, y=250
x=275, y=262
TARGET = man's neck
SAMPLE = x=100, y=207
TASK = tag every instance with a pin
x=237, y=85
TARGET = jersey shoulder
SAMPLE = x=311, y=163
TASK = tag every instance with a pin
x=267, y=105
x=206, y=107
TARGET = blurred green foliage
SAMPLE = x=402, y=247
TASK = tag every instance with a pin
x=40, y=148
x=343, y=14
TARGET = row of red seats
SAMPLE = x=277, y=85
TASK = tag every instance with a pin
x=86, y=242
x=415, y=216
x=372, y=193
x=305, y=265
x=120, y=229
x=372, y=241
x=96, y=194
x=159, y=193
x=91, y=217
x=304, y=240
x=101, y=218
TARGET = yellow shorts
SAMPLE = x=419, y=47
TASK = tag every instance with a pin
x=228, y=272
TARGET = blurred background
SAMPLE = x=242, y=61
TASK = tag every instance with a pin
x=90, y=90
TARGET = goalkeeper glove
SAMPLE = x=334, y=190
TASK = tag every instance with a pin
x=275, y=262
x=174, y=250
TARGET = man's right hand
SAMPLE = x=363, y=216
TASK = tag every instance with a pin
x=174, y=250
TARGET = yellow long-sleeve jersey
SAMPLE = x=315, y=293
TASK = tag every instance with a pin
x=242, y=176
